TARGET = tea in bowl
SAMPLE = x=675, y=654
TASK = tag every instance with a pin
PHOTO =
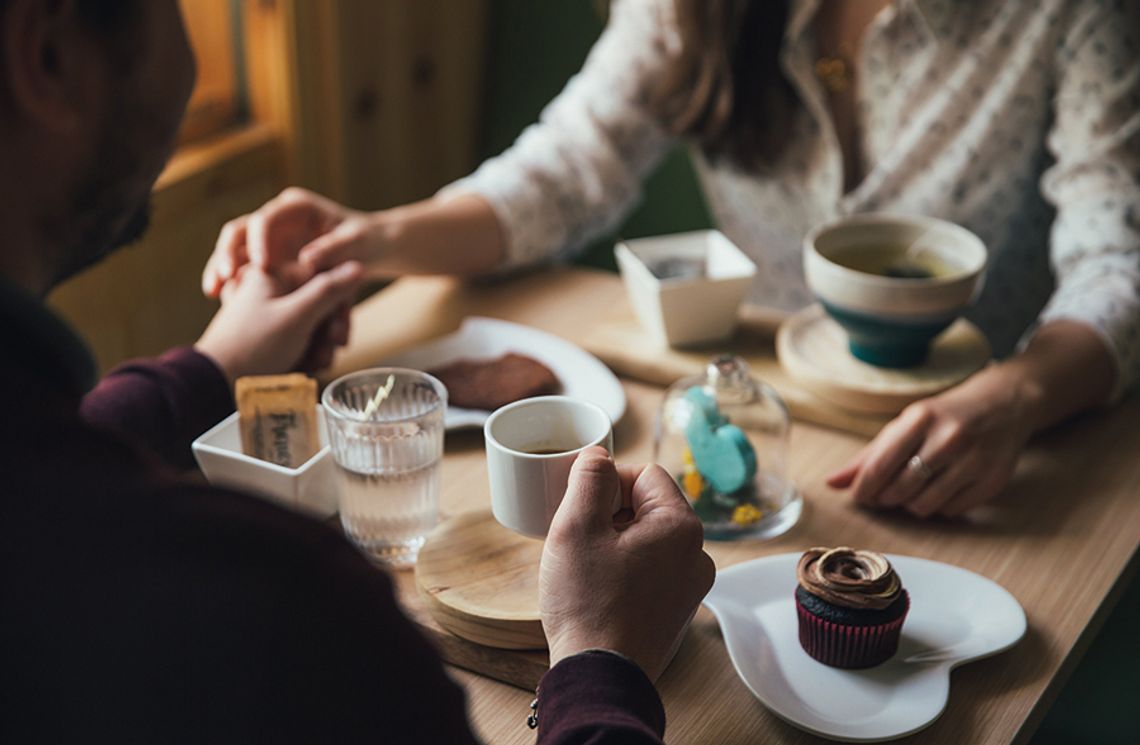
x=893, y=282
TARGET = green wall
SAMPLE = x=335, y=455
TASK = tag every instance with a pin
x=536, y=46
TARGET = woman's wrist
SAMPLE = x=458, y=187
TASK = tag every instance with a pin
x=1065, y=369
x=459, y=235
x=1016, y=383
x=383, y=235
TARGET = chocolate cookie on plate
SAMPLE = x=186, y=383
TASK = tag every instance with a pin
x=491, y=383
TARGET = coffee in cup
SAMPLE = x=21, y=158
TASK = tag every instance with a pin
x=531, y=445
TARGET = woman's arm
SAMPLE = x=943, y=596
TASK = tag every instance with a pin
x=953, y=451
x=568, y=178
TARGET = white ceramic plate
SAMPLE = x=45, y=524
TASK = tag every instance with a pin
x=955, y=616
x=582, y=375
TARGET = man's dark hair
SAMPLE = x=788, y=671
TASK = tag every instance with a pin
x=113, y=19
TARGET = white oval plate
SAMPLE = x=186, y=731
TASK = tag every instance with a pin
x=581, y=374
x=955, y=616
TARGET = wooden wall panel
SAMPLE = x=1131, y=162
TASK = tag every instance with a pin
x=407, y=86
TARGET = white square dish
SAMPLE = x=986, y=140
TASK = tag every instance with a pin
x=686, y=309
x=310, y=488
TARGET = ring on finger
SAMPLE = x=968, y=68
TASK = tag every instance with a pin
x=920, y=468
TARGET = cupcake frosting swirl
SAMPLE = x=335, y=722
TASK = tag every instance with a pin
x=849, y=578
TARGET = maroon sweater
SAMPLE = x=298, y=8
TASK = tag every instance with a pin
x=139, y=607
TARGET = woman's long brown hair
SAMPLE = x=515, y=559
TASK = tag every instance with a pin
x=725, y=89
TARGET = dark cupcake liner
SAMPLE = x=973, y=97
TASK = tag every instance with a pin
x=850, y=647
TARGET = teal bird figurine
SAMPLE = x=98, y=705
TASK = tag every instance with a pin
x=721, y=451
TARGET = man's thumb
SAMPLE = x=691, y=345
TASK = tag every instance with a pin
x=593, y=493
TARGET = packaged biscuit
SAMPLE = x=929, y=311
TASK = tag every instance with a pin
x=278, y=417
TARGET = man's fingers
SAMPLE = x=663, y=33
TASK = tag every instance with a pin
x=591, y=491
x=655, y=487
x=629, y=473
x=660, y=506
x=228, y=256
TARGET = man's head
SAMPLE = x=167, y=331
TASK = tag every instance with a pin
x=91, y=95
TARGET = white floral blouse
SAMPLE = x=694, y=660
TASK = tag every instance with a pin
x=1017, y=119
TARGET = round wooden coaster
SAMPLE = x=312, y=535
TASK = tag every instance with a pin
x=479, y=580
x=812, y=349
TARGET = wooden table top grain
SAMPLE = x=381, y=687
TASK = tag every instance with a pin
x=1062, y=537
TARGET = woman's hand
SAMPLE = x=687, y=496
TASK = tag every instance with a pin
x=946, y=454
x=630, y=586
x=294, y=234
x=954, y=451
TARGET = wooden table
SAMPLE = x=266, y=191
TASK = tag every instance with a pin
x=1062, y=538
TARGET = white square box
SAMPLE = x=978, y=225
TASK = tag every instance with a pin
x=311, y=488
x=686, y=310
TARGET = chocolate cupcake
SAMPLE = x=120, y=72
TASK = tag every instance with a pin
x=851, y=607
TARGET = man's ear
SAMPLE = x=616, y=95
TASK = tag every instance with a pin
x=48, y=63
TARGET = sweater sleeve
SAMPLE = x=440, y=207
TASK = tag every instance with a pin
x=161, y=404
x=595, y=698
x=1095, y=183
x=578, y=171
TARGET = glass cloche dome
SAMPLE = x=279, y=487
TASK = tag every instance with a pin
x=724, y=437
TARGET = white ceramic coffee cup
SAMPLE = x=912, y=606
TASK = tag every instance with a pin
x=528, y=486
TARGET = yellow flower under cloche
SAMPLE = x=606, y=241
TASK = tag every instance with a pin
x=746, y=514
x=693, y=484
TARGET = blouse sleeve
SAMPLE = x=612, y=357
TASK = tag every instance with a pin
x=1095, y=182
x=577, y=172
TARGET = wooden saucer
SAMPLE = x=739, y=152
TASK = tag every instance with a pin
x=479, y=581
x=812, y=349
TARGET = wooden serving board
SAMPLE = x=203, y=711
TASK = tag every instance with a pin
x=623, y=345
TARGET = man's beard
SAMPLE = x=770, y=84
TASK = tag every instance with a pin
x=103, y=239
x=110, y=205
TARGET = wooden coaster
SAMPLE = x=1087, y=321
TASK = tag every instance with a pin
x=479, y=581
x=812, y=349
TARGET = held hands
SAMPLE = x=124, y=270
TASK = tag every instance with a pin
x=267, y=324
x=627, y=586
x=945, y=454
x=294, y=234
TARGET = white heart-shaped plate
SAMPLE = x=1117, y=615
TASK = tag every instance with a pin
x=955, y=617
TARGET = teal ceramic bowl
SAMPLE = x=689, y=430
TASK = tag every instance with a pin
x=893, y=282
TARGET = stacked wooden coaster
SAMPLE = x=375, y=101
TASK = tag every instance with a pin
x=812, y=349
x=479, y=580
